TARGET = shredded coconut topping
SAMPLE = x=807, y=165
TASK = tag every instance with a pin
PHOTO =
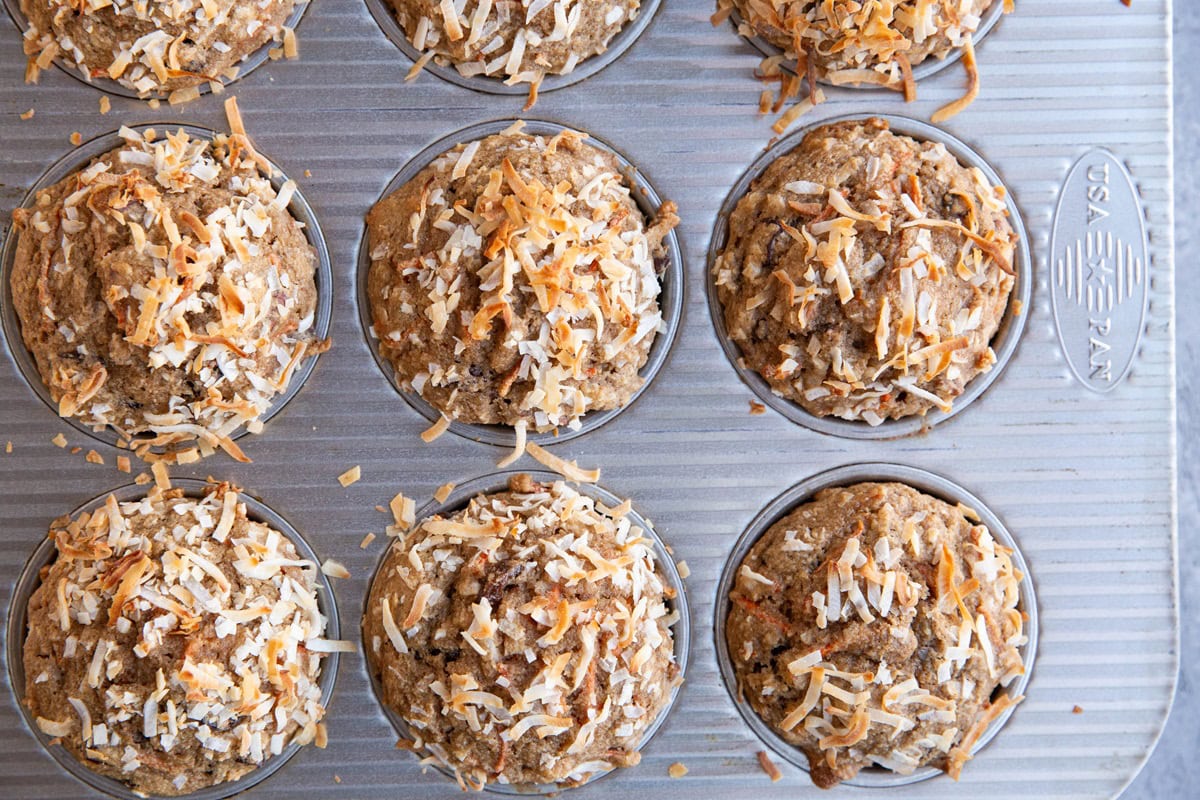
x=192, y=639
x=188, y=241
x=536, y=621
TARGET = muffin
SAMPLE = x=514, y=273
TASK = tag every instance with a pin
x=165, y=290
x=516, y=42
x=152, y=48
x=525, y=640
x=861, y=42
x=874, y=625
x=174, y=643
x=865, y=273
x=514, y=281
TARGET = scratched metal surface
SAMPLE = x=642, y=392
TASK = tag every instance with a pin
x=1084, y=482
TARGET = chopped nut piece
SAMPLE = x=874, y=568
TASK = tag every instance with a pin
x=93, y=457
x=59, y=440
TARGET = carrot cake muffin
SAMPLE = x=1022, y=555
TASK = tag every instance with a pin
x=166, y=290
x=851, y=42
x=517, y=42
x=514, y=281
x=153, y=47
x=873, y=626
x=526, y=639
x=865, y=273
x=174, y=643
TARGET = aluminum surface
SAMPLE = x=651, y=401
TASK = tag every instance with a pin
x=1084, y=482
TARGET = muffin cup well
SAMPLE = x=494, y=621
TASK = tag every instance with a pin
x=1004, y=343
x=251, y=62
x=17, y=627
x=784, y=504
x=78, y=159
x=381, y=10
x=680, y=631
x=926, y=69
x=670, y=298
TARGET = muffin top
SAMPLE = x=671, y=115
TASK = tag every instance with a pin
x=526, y=639
x=174, y=643
x=515, y=281
x=151, y=47
x=872, y=626
x=165, y=289
x=851, y=42
x=865, y=273
x=519, y=42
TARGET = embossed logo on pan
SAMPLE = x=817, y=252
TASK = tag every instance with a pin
x=1099, y=270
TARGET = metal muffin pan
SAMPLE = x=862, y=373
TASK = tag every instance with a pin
x=1085, y=481
x=381, y=10
x=75, y=161
x=670, y=298
x=1004, y=343
x=681, y=631
x=801, y=493
x=107, y=85
x=30, y=579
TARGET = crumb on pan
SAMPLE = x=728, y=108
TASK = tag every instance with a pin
x=568, y=469
x=768, y=766
x=350, y=476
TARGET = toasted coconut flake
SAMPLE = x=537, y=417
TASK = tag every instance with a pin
x=768, y=766
x=958, y=106
x=568, y=469
x=350, y=476
x=518, y=448
x=161, y=479
x=334, y=569
x=366, y=541
x=443, y=492
x=436, y=429
x=677, y=770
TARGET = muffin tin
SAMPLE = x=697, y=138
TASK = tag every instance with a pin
x=1083, y=481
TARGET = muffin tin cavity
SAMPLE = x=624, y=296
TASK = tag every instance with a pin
x=385, y=17
x=680, y=629
x=670, y=299
x=78, y=159
x=931, y=484
x=1004, y=342
x=17, y=627
x=251, y=62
